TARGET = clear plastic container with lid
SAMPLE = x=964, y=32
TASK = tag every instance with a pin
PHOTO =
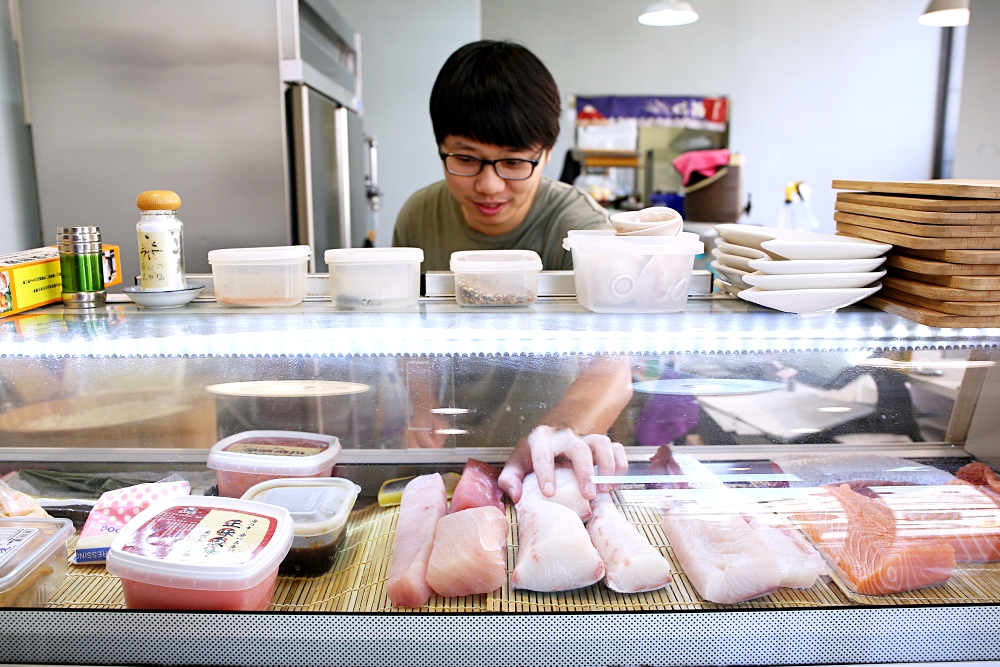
x=374, y=277
x=496, y=277
x=205, y=553
x=319, y=508
x=245, y=459
x=32, y=559
x=260, y=277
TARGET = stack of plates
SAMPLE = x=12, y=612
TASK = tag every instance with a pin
x=797, y=272
x=944, y=269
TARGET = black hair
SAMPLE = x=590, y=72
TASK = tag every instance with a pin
x=496, y=92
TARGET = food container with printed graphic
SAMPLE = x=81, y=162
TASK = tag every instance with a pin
x=32, y=559
x=319, y=508
x=252, y=457
x=204, y=553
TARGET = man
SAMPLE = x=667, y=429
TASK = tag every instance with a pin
x=495, y=110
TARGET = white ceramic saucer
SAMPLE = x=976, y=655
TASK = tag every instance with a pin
x=831, y=248
x=733, y=276
x=735, y=261
x=793, y=266
x=808, y=302
x=755, y=237
x=171, y=299
x=727, y=288
x=740, y=250
x=812, y=280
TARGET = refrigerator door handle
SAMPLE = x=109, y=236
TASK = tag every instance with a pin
x=343, y=175
x=302, y=155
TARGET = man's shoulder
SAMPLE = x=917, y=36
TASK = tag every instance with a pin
x=570, y=207
x=434, y=195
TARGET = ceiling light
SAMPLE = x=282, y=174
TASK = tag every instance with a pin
x=672, y=12
x=944, y=13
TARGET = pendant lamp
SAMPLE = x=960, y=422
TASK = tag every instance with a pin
x=671, y=12
x=945, y=13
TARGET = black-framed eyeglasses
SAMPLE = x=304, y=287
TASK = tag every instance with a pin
x=509, y=169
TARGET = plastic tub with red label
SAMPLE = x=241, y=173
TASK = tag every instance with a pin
x=249, y=458
x=204, y=553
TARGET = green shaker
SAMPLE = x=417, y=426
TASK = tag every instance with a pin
x=81, y=262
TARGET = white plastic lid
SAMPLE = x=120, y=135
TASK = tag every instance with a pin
x=317, y=506
x=202, y=543
x=358, y=255
x=281, y=253
x=684, y=243
x=495, y=261
x=275, y=453
x=27, y=543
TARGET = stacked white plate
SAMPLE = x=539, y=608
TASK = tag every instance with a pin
x=797, y=272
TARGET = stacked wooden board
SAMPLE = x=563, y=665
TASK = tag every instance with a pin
x=944, y=268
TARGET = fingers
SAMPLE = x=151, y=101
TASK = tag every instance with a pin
x=603, y=452
x=510, y=481
x=621, y=462
x=579, y=454
x=543, y=458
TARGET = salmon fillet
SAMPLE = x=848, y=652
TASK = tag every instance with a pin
x=859, y=538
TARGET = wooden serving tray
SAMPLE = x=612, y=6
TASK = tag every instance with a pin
x=972, y=309
x=927, y=316
x=938, y=292
x=919, y=242
x=976, y=283
x=920, y=217
x=958, y=256
x=913, y=203
x=919, y=229
x=930, y=267
x=952, y=187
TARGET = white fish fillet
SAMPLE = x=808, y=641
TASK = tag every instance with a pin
x=799, y=562
x=567, y=492
x=470, y=552
x=631, y=563
x=423, y=503
x=722, y=556
x=555, y=552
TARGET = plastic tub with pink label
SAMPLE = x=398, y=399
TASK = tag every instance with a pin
x=249, y=458
x=204, y=553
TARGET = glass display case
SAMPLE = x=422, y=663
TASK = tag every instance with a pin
x=849, y=437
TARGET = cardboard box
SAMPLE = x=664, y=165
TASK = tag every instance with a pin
x=31, y=278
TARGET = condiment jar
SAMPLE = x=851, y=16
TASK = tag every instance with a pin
x=81, y=263
x=161, y=242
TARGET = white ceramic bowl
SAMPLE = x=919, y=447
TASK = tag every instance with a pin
x=170, y=299
x=794, y=266
x=734, y=261
x=740, y=251
x=832, y=248
x=811, y=280
x=808, y=301
x=637, y=221
x=733, y=276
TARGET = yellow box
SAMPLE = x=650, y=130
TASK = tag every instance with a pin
x=31, y=278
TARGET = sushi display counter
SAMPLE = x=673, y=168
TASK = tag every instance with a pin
x=127, y=396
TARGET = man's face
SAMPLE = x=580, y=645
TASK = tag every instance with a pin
x=490, y=204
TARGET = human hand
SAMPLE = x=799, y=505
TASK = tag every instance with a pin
x=422, y=432
x=539, y=451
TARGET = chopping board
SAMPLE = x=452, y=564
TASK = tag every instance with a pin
x=974, y=257
x=919, y=242
x=928, y=316
x=921, y=217
x=930, y=267
x=951, y=187
x=918, y=229
x=974, y=283
x=938, y=292
x=913, y=203
x=971, y=309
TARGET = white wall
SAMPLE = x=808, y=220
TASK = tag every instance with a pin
x=977, y=150
x=403, y=45
x=18, y=203
x=820, y=89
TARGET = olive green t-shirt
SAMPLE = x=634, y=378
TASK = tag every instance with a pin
x=431, y=219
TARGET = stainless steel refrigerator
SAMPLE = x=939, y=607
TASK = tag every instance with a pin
x=249, y=109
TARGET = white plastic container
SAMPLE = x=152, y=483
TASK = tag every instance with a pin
x=249, y=458
x=202, y=552
x=319, y=508
x=32, y=560
x=496, y=277
x=260, y=277
x=632, y=274
x=374, y=277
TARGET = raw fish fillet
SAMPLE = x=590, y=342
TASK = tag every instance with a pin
x=470, y=552
x=631, y=563
x=822, y=469
x=980, y=474
x=424, y=502
x=799, y=563
x=721, y=555
x=477, y=488
x=567, y=492
x=858, y=536
x=555, y=552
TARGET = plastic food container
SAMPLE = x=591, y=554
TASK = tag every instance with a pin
x=496, y=277
x=32, y=560
x=260, y=277
x=632, y=274
x=252, y=457
x=374, y=277
x=205, y=553
x=319, y=508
